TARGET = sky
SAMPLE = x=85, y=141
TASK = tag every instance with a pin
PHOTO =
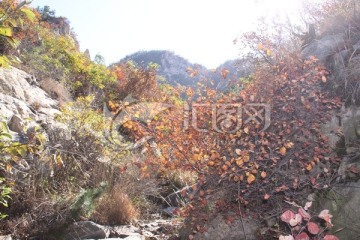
x=201, y=31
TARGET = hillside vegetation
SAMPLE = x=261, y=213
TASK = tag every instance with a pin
x=155, y=132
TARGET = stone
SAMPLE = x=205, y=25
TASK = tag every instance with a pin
x=330, y=128
x=16, y=124
x=324, y=47
x=6, y=237
x=350, y=121
x=86, y=230
x=343, y=203
x=219, y=229
x=124, y=231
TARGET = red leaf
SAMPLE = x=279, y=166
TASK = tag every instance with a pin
x=287, y=216
x=302, y=236
x=313, y=228
x=306, y=216
x=331, y=237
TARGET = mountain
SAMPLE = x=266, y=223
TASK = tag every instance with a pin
x=178, y=71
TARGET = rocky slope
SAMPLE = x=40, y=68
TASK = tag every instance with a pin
x=176, y=69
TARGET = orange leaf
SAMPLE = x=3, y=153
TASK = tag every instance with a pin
x=309, y=167
x=283, y=151
x=251, y=178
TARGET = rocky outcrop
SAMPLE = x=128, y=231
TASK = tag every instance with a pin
x=23, y=102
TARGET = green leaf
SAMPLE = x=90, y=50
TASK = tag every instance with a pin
x=29, y=14
x=6, y=31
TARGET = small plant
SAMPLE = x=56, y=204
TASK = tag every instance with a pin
x=303, y=226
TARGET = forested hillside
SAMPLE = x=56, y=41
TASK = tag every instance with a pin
x=156, y=147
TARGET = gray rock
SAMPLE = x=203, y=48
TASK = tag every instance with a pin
x=6, y=237
x=343, y=203
x=124, y=231
x=350, y=121
x=324, y=47
x=16, y=124
x=219, y=229
x=86, y=230
x=330, y=128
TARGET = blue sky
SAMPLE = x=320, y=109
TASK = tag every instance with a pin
x=201, y=31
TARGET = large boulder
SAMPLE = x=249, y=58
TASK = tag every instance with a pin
x=324, y=47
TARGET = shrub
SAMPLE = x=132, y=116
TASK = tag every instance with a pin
x=115, y=208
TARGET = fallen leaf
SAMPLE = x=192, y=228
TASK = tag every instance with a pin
x=263, y=174
x=309, y=167
x=313, y=228
x=330, y=237
x=304, y=214
x=296, y=220
x=287, y=216
x=283, y=151
x=266, y=196
x=288, y=237
x=238, y=151
x=302, y=236
x=251, y=178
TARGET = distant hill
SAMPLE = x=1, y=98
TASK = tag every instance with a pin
x=177, y=70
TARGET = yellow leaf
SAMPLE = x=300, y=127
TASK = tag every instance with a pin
x=289, y=145
x=211, y=163
x=8, y=167
x=251, y=178
x=239, y=162
x=283, y=151
x=268, y=52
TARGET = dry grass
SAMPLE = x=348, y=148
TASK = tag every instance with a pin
x=115, y=208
